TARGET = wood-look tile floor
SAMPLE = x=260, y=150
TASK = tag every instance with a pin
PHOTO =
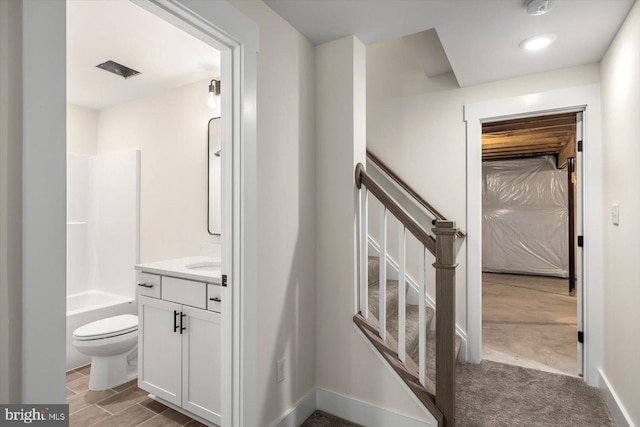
x=128, y=406
x=122, y=406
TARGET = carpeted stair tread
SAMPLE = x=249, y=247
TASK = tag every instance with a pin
x=411, y=316
x=392, y=299
x=324, y=419
x=412, y=338
x=374, y=270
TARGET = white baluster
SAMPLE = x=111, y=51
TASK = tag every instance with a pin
x=364, y=252
x=402, y=279
x=422, y=327
x=382, y=295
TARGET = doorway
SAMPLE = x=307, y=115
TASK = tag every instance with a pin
x=227, y=29
x=529, y=242
x=576, y=99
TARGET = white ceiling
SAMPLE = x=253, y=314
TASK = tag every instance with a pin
x=480, y=37
x=121, y=31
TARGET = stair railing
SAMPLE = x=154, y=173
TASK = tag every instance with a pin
x=443, y=248
x=433, y=212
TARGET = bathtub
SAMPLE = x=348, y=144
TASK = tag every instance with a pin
x=85, y=307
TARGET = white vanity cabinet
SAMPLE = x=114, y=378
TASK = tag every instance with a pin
x=179, y=345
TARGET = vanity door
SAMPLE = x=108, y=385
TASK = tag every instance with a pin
x=202, y=365
x=160, y=348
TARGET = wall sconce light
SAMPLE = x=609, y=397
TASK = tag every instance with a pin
x=214, y=90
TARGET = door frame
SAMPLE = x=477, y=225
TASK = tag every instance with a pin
x=44, y=183
x=225, y=28
x=587, y=100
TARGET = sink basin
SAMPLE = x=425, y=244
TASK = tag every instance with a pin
x=204, y=266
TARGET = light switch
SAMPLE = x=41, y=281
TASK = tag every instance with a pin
x=615, y=214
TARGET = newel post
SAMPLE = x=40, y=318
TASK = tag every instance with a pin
x=445, y=267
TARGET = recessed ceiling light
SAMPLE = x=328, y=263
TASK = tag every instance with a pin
x=539, y=7
x=538, y=42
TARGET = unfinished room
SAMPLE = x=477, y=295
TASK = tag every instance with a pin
x=531, y=255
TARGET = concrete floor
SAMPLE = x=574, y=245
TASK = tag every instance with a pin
x=529, y=321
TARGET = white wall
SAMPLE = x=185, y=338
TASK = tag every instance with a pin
x=422, y=138
x=44, y=207
x=82, y=130
x=10, y=201
x=345, y=363
x=286, y=212
x=170, y=130
x=620, y=91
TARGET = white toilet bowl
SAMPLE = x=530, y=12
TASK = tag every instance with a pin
x=112, y=344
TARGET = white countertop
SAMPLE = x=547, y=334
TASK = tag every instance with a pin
x=177, y=268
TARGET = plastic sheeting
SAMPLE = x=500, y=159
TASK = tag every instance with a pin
x=525, y=227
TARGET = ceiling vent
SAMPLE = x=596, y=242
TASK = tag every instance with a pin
x=118, y=69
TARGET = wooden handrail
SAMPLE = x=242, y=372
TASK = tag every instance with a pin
x=428, y=206
x=362, y=178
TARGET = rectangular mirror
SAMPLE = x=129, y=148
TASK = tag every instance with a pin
x=214, y=206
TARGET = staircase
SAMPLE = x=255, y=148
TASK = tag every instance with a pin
x=412, y=325
x=418, y=342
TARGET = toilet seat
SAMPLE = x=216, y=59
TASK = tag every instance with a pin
x=107, y=328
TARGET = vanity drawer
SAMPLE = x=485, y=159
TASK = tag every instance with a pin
x=214, y=298
x=149, y=285
x=184, y=291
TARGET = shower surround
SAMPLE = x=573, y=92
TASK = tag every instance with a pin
x=103, y=211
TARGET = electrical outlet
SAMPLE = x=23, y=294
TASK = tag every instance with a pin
x=615, y=214
x=280, y=370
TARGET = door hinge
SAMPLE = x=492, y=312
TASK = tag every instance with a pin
x=580, y=146
x=581, y=337
x=224, y=280
x=580, y=241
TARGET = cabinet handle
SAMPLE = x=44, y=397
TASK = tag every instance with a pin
x=182, y=316
x=216, y=299
x=175, y=321
x=144, y=285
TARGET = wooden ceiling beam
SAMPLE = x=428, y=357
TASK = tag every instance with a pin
x=514, y=155
x=531, y=136
x=560, y=130
x=526, y=152
x=530, y=151
x=523, y=142
x=530, y=123
x=524, y=128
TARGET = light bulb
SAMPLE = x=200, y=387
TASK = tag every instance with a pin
x=212, y=102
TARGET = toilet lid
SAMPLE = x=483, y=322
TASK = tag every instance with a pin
x=105, y=328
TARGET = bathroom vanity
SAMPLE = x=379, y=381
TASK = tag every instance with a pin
x=179, y=314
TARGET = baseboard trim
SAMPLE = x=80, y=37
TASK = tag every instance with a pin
x=363, y=413
x=619, y=413
x=301, y=410
x=350, y=409
x=392, y=371
x=393, y=271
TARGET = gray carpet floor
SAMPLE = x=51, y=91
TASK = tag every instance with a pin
x=322, y=419
x=493, y=394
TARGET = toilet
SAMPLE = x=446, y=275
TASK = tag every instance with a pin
x=112, y=344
